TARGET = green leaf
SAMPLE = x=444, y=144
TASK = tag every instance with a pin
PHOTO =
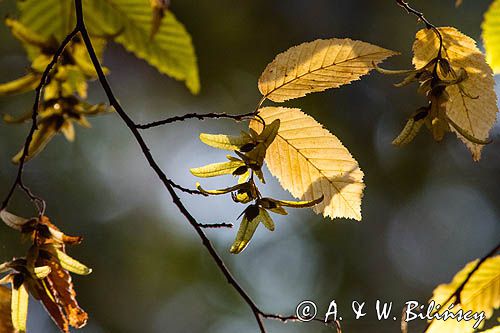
x=171, y=51
x=217, y=169
x=48, y=18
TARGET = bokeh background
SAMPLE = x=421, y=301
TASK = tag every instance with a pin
x=428, y=209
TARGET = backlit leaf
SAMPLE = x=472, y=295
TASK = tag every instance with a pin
x=171, y=51
x=318, y=66
x=472, y=104
x=491, y=35
x=481, y=293
x=310, y=162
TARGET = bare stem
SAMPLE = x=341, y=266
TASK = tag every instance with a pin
x=199, y=116
x=40, y=203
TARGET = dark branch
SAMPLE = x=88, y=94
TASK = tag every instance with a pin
x=457, y=293
x=216, y=225
x=159, y=172
x=36, y=105
x=199, y=116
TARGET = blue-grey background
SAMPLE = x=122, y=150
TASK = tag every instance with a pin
x=428, y=209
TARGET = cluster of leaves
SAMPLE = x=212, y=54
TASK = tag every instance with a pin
x=251, y=148
x=308, y=160
x=149, y=31
x=63, y=97
x=43, y=273
x=458, y=83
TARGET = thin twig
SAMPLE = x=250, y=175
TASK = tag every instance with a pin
x=183, y=189
x=40, y=203
x=456, y=295
x=215, y=225
x=200, y=116
x=421, y=17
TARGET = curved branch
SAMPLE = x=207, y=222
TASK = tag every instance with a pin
x=457, y=293
x=200, y=116
x=38, y=94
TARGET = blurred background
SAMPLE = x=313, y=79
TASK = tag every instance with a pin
x=428, y=209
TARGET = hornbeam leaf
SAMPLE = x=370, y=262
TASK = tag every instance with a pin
x=310, y=162
x=19, y=308
x=217, y=169
x=318, y=66
x=491, y=35
x=472, y=104
x=480, y=293
x=171, y=51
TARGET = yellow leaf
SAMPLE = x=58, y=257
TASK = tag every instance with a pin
x=217, y=169
x=491, y=35
x=473, y=102
x=318, y=66
x=481, y=293
x=19, y=308
x=310, y=162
